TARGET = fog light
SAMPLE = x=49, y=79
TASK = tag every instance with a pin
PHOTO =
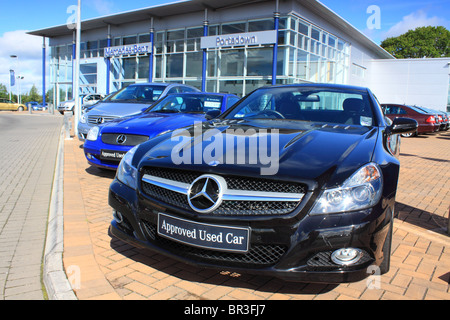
x=117, y=216
x=346, y=256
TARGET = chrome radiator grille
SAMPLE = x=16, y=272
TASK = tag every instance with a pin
x=241, y=196
x=96, y=120
x=127, y=139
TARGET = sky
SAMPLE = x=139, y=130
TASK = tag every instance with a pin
x=377, y=19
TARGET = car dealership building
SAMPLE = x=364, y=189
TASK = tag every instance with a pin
x=236, y=46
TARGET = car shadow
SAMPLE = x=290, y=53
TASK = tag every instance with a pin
x=103, y=173
x=421, y=218
x=264, y=286
x=425, y=158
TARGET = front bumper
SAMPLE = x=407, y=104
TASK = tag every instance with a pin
x=93, y=149
x=294, y=248
x=83, y=130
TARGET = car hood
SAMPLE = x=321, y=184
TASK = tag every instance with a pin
x=152, y=124
x=117, y=109
x=321, y=155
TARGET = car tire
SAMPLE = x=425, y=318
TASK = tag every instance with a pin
x=409, y=135
x=20, y=109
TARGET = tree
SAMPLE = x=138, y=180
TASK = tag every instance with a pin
x=429, y=42
x=3, y=91
x=34, y=94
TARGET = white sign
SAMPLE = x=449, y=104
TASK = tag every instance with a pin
x=239, y=39
x=127, y=50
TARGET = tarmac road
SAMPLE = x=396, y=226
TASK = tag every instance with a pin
x=28, y=147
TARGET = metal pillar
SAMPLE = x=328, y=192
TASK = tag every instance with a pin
x=77, y=108
x=108, y=63
x=150, y=56
x=43, y=73
x=276, y=17
x=205, y=34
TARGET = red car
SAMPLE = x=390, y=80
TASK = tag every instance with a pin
x=427, y=122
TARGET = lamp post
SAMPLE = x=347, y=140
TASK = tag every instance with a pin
x=77, y=107
x=19, y=98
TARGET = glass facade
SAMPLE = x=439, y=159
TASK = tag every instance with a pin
x=306, y=53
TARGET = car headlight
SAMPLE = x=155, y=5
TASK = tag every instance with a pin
x=361, y=191
x=93, y=134
x=126, y=173
x=83, y=118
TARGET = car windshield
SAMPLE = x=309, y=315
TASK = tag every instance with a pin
x=329, y=105
x=139, y=93
x=187, y=103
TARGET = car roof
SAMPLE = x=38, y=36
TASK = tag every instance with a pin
x=320, y=85
x=150, y=84
x=163, y=84
x=197, y=93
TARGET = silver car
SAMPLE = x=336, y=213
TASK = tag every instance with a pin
x=88, y=99
x=128, y=101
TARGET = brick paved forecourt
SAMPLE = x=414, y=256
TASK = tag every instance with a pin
x=101, y=267
x=28, y=145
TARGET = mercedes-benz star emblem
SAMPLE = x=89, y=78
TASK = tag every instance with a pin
x=121, y=139
x=99, y=120
x=205, y=193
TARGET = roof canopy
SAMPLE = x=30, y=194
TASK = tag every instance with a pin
x=190, y=6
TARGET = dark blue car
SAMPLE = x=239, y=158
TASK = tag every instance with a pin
x=106, y=144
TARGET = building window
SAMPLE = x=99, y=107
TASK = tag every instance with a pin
x=129, y=40
x=144, y=38
x=259, y=61
x=358, y=71
x=232, y=63
x=194, y=64
x=143, y=67
x=303, y=28
x=102, y=45
x=88, y=77
x=175, y=41
x=174, y=65
x=260, y=25
x=129, y=68
x=233, y=28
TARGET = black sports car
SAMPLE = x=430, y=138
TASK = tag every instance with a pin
x=294, y=181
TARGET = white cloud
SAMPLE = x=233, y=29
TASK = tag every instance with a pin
x=103, y=7
x=28, y=49
x=413, y=21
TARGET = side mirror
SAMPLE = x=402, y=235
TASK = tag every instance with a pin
x=403, y=125
x=212, y=114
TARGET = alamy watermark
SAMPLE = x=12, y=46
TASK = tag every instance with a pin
x=374, y=279
x=74, y=276
x=374, y=20
x=71, y=21
x=237, y=146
